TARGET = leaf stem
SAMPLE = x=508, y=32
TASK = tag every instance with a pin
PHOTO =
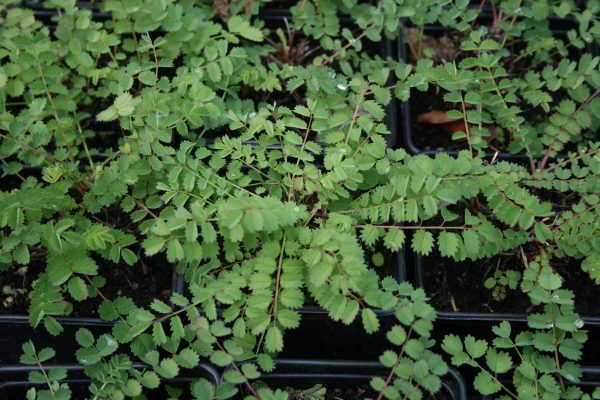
x=542, y=163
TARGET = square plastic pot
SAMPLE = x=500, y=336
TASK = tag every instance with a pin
x=14, y=384
x=559, y=26
x=280, y=18
x=315, y=312
x=16, y=330
x=589, y=381
x=303, y=374
x=491, y=317
x=45, y=14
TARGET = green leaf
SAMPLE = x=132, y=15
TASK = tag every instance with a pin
x=53, y=326
x=448, y=243
x=374, y=109
x=45, y=354
x=253, y=220
x=319, y=273
x=265, y=362
x=59, y=272
x=78, y=289
x=125, y=104
x=221, y=358
x=175, y=251
x=159, y=336
x=187, y=358
x=549, y=280
x=370, y=320
x=21, y=254
x=422, y=242
x=168, y=368
x=452, y=344
x=153, y=245
x=394, y=239
x=147, y=78
x=472, y=243
x=288, y=318
x=274, y=339
x=397, y=335
x=202, y=389
x=475, y=348
x=498, y=361
x=485, y=383
x=542, y=232
x=237, y=24
x=160, y=306
x=150, y=379
x=84, y=337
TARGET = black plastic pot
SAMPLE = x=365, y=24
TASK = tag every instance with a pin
x=16, y=330
x=589, y=381
x=14, y=384
x=335, y=339
x=559, y=26
x=399, y=273
x=277, y=18
x=491, y=317
x=303, y=374
x=45, y=14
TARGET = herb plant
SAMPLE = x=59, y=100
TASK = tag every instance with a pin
x=254, y=160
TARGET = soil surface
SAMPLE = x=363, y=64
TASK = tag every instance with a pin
x=443, y=46
x=298, y=50
x=443, y=394
x=334, y=391
x=353, y=393
x=356, y=392
x=143, y=282
x=458, y=286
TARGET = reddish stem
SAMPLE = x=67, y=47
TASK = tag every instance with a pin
x=542, y=163
x=347, y=45
x=391, y=374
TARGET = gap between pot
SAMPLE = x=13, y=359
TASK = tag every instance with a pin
x=305, y=373
x=405, y=107
x=491, y=317
x=399, y=273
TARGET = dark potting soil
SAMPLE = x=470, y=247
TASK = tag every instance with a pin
x=351, y=393
x=431, y=137
x=15, y=284
x=333, y=391
x=142, y=282
x=355, y=392
x=442, y=394
x=459, y=286
x=444, y=46
x=298, y=50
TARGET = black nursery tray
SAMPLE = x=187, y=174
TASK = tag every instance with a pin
x=346, y=375
x=589, y=381
x=17, y=330
x=281, y=18
x=316, y=312
x=45, y=13
x=14, y=384
x=559, y=28
x=488, y=317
